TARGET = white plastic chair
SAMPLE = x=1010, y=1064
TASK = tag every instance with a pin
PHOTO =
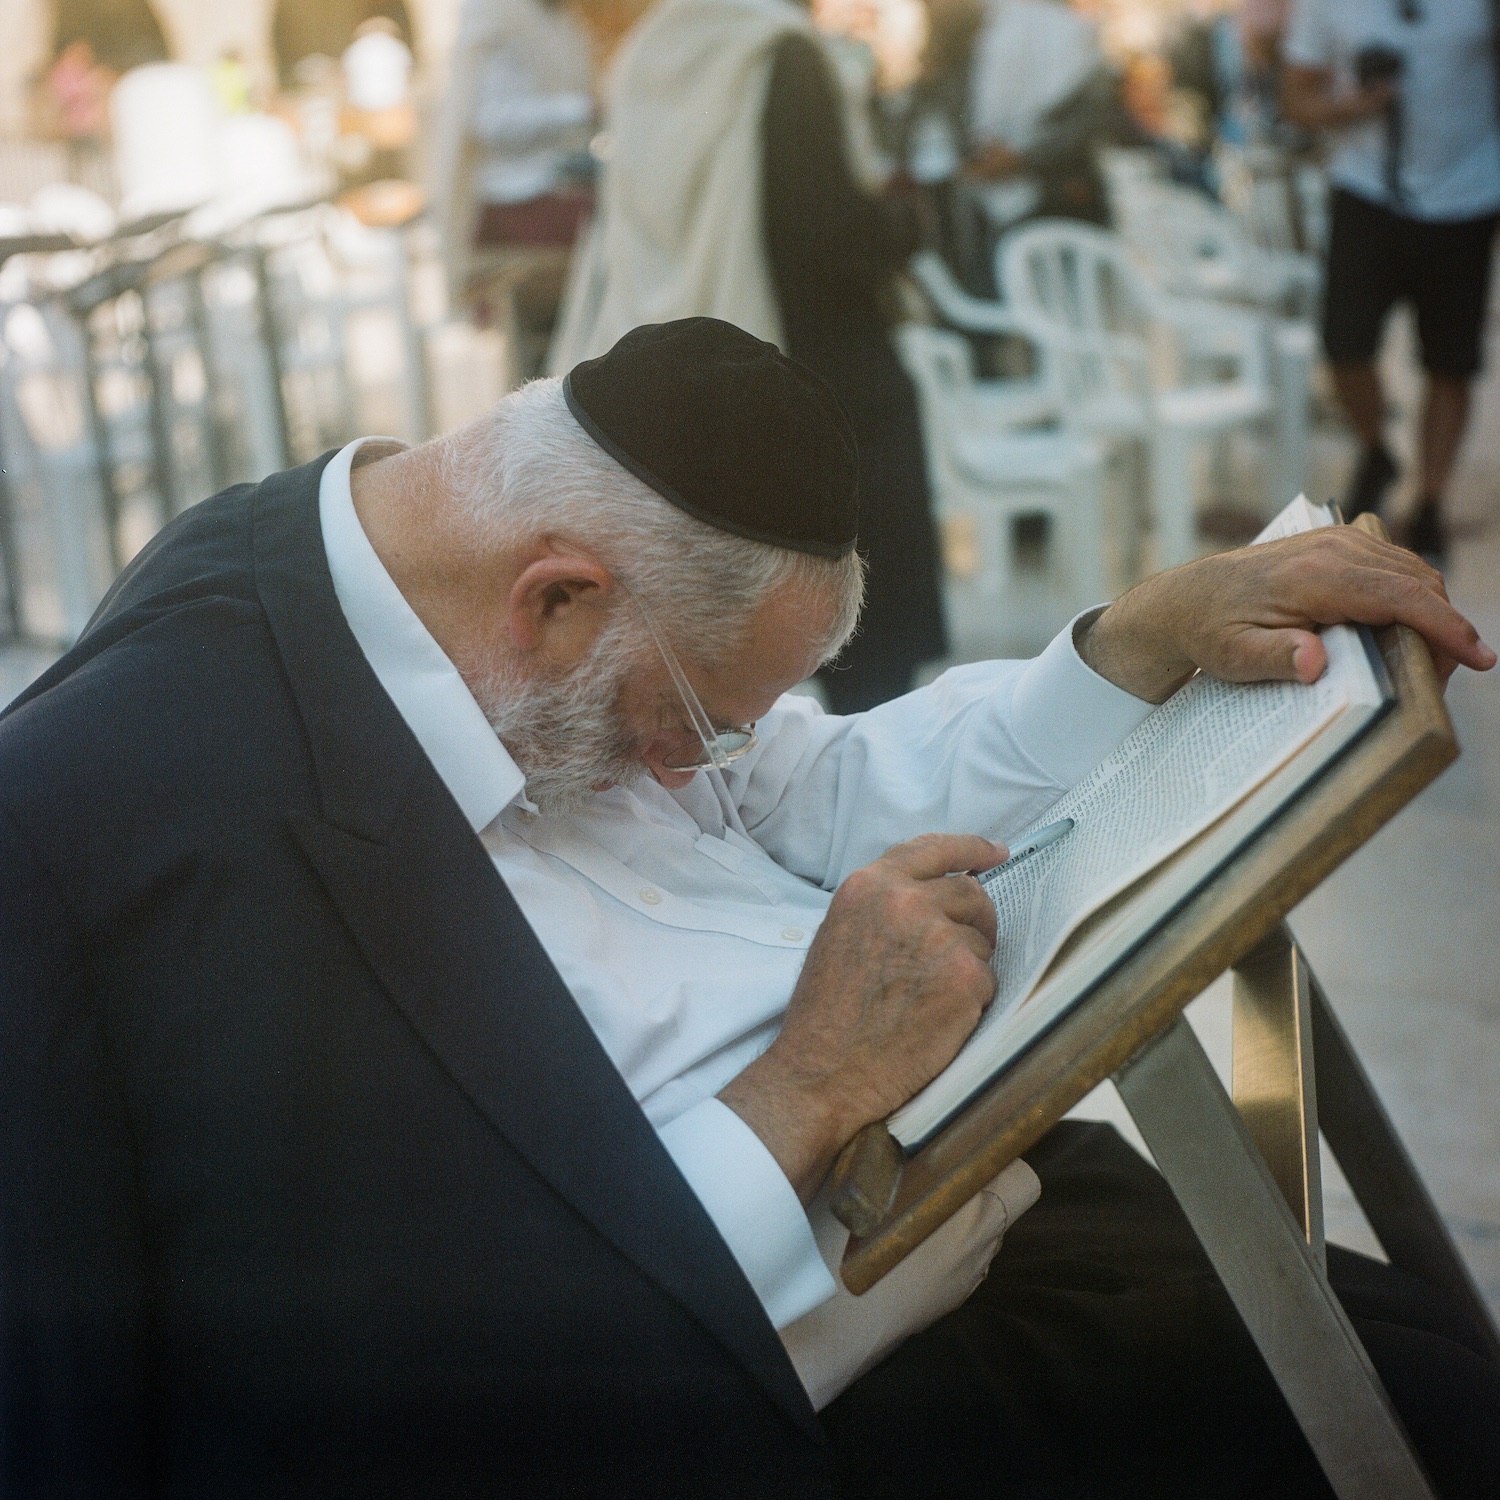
x=52, y=467
x=1011, y=583
x=1194, y=247
x=1018, y=402
x=1115, y=339
x=341, y=314
x=1197, y=248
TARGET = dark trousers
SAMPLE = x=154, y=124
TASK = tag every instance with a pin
x=1101, y=1359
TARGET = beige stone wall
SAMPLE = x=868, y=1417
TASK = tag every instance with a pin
x=24, y=25
x=197, y=31
x=200, y=30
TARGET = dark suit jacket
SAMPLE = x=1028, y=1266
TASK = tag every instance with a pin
x=315, y=1180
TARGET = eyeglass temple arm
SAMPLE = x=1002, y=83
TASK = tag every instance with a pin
x=696, y=712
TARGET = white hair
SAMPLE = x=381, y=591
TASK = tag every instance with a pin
x=526, y=470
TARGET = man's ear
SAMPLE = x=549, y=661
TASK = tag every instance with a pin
x=558, y=606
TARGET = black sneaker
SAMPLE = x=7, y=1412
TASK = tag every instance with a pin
x=1376, y=473
x=1427, y=534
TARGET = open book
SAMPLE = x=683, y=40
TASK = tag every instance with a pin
x=1202, y=775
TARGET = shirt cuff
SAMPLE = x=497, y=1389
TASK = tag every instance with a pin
x=753, y=1206
x=1067, y=717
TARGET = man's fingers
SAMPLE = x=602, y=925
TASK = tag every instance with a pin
x=1385, y=597
x=933, y=854
x=963, y=900
x=1344, y=574
x=978, y=982
x=1286, y=654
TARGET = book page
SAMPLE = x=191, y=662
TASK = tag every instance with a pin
x=1197, y=757
x=1094, y=946
x=1194, y=758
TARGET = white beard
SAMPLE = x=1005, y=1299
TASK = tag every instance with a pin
x=568, y=733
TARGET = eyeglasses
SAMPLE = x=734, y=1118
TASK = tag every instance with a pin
x=721, y=747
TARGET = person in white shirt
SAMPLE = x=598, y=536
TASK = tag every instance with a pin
x=377, y=67
x=439, y=964
x=1409, y=94
x=510, y=168
x=1040, y=99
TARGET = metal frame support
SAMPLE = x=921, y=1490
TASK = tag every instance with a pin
x=1262, y=1255
x=1395, y=1201
x=1275, y=1087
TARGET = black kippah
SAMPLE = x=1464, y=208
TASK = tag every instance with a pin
x=728, y=429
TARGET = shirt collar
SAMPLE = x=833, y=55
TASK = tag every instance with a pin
x=420, y=680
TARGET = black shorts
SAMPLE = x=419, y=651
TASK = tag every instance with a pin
x=1377, y=258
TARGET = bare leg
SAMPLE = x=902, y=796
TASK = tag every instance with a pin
x=1445, y=414
x=1363, y=399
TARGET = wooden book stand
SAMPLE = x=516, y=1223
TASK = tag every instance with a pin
x=1246, y=1170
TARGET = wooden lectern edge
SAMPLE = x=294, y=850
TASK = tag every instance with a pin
x=891, y=1202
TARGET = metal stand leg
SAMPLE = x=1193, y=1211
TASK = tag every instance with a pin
x=1269, y=1270
x=163, y=437
x=213, y=438
x=1275, y=1088
x=1398, y=1206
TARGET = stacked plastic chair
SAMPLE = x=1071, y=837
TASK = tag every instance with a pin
x=1018, y=497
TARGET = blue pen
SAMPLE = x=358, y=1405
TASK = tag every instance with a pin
x=1038, y=841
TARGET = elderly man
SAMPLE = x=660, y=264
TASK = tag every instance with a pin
x=418, y=1076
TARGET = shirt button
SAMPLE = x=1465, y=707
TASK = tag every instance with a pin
x=650, y=897
x=792, y=934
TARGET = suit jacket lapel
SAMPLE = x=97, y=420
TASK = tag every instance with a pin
x=442, y=932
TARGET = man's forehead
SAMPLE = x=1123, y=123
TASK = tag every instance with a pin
x=782, y=647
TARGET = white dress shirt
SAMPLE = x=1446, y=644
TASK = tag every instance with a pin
x=680, y=923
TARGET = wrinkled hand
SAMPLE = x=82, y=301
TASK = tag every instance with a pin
x=1253, y=614
x=894, y=982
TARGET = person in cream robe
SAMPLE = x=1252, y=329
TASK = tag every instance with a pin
x=734, y=188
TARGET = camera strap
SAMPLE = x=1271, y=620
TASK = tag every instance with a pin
x=1395, y=139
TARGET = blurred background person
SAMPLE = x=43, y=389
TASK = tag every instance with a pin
x=326, y=28
x=511, y=169
x=931, y=135
x=732, y=189
x=1262, y=25
x=120, y=34
x=377, y=67
x=93, y=43
x=1409, y=95
x=1013, y=101
x=1042, y=100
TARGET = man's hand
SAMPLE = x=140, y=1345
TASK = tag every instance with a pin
x=1253, y=614
x=1308, y=98
x=994, y=162
x=894, y=982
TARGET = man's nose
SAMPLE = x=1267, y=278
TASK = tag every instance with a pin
x=665, y=759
